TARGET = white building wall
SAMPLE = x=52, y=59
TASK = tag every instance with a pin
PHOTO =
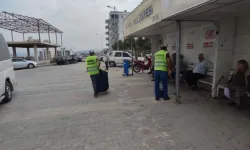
x=242, y=41
x=191, y=35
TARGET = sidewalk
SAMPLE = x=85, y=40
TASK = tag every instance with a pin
x=196, y=124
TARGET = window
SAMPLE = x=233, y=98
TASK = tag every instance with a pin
x=126, y=55
x=4, y=51
x=118, y=54
x=17, y=60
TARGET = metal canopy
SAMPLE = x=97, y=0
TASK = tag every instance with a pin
x=24, y=24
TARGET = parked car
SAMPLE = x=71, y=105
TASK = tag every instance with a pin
x=19, y=63
x=117, y=58
x=79, y=58
x=65, y=60
x=7, y=74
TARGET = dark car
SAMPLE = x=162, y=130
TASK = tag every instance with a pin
x=64, y=60
x=79, y=58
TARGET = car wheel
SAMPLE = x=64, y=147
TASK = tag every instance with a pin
x=8, y=92
x=30, y=66
x=112, y=64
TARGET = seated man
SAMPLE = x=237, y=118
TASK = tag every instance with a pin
x=198, y=72
x=239, y=84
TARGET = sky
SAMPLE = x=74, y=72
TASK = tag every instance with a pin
x=80, y=20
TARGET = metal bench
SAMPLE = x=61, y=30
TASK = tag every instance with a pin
x=208, y=79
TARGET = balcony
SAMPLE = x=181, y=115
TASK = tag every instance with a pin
x=107, y=44
x=107, y=33
x=107, y=21
x=107, y=39
x=106, y=27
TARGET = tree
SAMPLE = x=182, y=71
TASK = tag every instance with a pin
x=141, y=44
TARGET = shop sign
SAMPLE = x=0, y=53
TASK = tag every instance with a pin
x=210, y=34
x=208, y=44
x=146, y=13
x=190, y=45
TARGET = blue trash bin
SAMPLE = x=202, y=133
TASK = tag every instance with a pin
x=126, y=67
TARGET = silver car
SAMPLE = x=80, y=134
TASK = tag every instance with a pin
x=19, y=63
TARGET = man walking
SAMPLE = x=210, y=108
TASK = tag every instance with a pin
x=161, y=69
x=92, y=65
x=106, y=60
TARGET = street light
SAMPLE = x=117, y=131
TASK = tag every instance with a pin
x=114, y=8
x=101, y=40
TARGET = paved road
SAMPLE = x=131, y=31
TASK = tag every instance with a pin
x=54, y=109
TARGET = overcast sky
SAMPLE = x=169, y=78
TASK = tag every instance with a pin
x=80, y=20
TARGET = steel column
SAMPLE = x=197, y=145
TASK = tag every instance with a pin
x=38, y=26
x=48, y=34
x=178, y=52
x=56, y=38
x=61, y=40
x=12, y=36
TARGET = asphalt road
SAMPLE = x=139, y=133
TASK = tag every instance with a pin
x=53, y=109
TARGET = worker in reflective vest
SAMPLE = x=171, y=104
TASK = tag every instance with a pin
x=92, y=66
x=162, y=68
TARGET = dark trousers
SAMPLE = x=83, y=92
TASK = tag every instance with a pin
x=94, y=79
x=192, y=78
x=107, y=65
x=161, y=77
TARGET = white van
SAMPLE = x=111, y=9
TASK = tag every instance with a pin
x=7, y=74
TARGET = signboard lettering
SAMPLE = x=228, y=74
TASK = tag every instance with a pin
x=190, y=45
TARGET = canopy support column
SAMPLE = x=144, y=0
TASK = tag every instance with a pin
x=14, y=51
x=36, y=53
x=28, y=52
x=178, y=51
x=12, y=36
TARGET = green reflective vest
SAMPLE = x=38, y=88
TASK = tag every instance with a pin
x=92, y=65
x=161, y=61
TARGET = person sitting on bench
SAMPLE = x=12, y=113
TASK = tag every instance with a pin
x=198, y=72
x=239, y=84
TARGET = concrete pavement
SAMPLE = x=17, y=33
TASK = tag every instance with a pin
x=54, y=109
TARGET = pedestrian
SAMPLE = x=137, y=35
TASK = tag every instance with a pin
x=93, y=65
x=198, y=72
x=161, y=68
x=106, y=59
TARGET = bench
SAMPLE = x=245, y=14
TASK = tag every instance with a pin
x=208, y=79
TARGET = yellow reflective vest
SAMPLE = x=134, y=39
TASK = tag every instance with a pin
x=161, y=61
x=92, y=65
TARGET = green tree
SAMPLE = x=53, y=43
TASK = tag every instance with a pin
x=140, y=44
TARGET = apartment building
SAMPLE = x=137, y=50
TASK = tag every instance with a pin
x=115, y=27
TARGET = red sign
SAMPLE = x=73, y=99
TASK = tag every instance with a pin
x=210, y=34
x=208, y=44
x=190, y=46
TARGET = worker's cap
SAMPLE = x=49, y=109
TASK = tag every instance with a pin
x=163, y=47
x=91, y=52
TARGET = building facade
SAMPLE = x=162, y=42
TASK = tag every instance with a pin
x=115, y=27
